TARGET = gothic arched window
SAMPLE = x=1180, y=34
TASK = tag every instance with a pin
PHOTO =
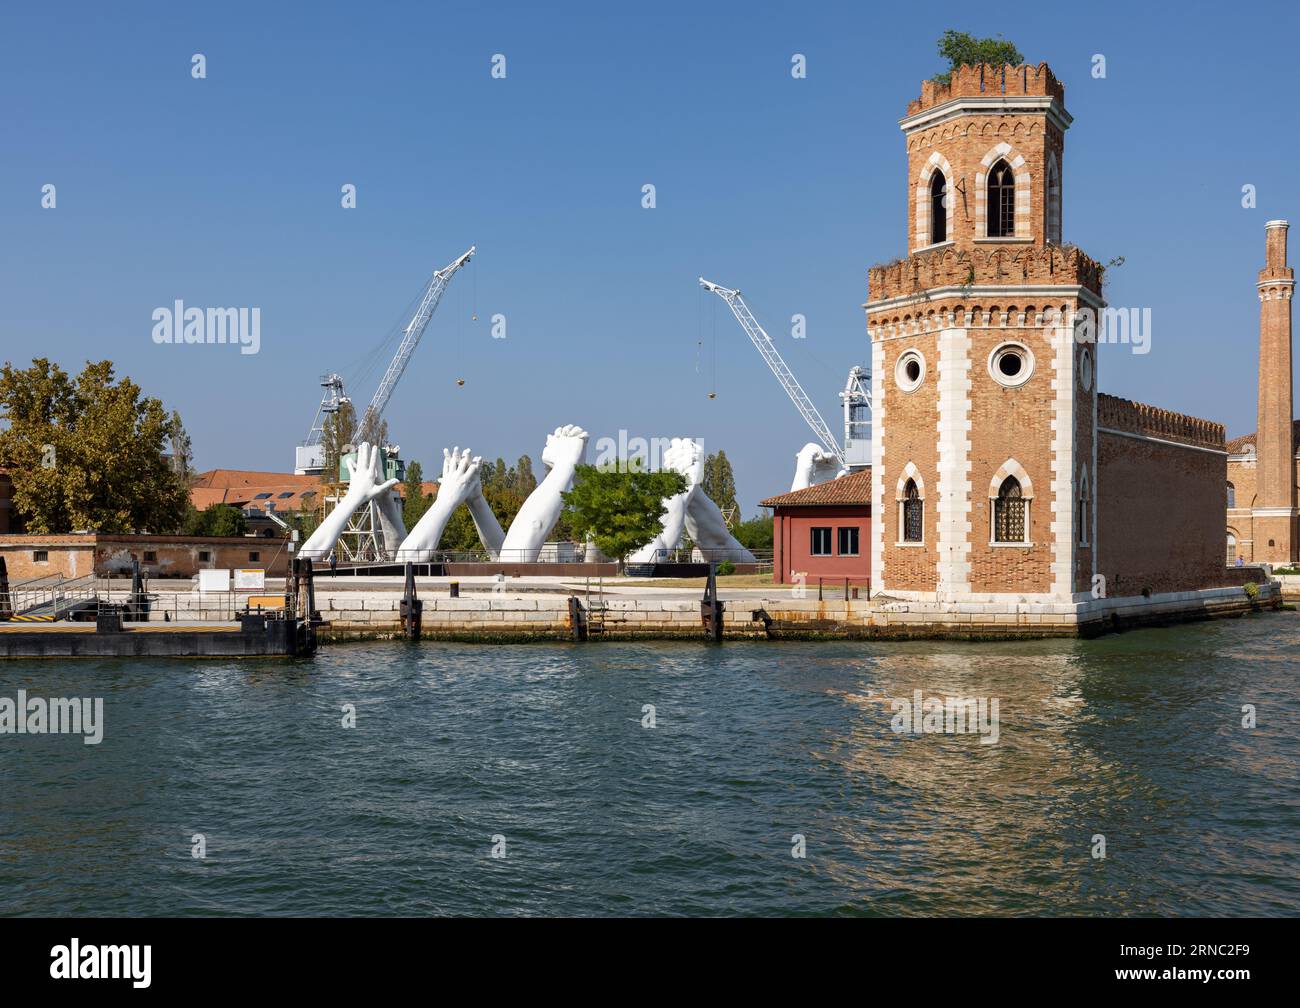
x=1002, y=201
x=938, y=208
x=1053, y=202
x=1232, y=496
x=913, y=514
x=1009, y=513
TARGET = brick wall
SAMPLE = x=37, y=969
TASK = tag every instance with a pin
x=159, y=556
x=1159, y=516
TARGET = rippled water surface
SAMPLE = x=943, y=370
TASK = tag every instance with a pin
x=1136, y=737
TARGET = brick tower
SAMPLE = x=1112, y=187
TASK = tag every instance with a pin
x=1274, y=511
x=984, y=453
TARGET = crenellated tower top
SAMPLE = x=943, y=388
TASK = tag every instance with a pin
x=986, y=80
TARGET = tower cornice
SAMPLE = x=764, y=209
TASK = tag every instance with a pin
x=989, y=105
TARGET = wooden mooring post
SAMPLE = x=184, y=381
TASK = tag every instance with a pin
x=412, y=607
x=711, y=607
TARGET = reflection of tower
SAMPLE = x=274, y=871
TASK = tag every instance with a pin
x=1274, y=511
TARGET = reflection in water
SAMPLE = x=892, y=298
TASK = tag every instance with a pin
x=1137, y=738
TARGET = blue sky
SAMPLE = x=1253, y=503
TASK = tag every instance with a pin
x=226, y=191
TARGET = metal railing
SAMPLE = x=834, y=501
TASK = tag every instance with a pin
x=46, y=598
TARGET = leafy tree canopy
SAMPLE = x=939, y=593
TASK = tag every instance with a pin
x=89, y=452
x=756, y=533
x=216, y=520
x=620, y=510
x=719, y=482
x=962, y=49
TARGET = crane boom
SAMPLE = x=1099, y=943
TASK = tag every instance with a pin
x=410, y=340
x=763, y=342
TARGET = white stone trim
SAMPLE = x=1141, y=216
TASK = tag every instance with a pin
x=990, y=105
x=924, y=235
x=878, y=412
x=1160, y=441
x=1011, y=468
x=1053, y=223
x=1061, y=526
x=1020, y=170
x=1038, y=291
x=953, y=504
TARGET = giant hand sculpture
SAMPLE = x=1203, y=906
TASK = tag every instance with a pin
x=686, y=457
x=459, y=483
x=564, y=450
x=485, y=520
x=708, y=529
x=813, y=465
x=391, y=522
x=366, y=484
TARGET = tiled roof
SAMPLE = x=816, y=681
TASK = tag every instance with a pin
x=1238, y=443
x=226, y=478
x=854, y=488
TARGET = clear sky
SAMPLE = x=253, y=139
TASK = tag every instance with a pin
x=225, y=191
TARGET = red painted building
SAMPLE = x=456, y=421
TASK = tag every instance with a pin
x=823, y=530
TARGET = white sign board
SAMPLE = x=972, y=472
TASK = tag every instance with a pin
x=214, y=580
x=250, y=579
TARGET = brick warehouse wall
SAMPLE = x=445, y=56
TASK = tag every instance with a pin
x=172, y=556
x=1169, y=540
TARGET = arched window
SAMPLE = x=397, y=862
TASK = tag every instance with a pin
x=1232, y=496
x=938, y=208
x=1002, y=201
x=1009, y=513
x=1232, y=549
x=1053, y=202
x=913, y=514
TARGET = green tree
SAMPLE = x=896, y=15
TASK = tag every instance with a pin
x=620, y=510
x=525, y=481
x=718, y=482
x=337, y=433
x=216, y=520
x=414, y=500
x=182, y=450
x=961, y=49
x=756, y=533
x=89, y=452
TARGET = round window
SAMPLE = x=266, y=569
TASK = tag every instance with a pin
x=1085, y=371
x=909, y=372
x=1011, y=364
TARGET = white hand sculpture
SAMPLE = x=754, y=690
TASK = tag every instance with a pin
x=708, y=530
x=564, y=451
x=366, y=484
x=485, y=520
x=457, y=484
x=391, y=522
x=685, y=456
x=813, y=465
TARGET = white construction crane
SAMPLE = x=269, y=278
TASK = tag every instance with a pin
x=410, y=340
x=309, y=457
x=855, y=395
